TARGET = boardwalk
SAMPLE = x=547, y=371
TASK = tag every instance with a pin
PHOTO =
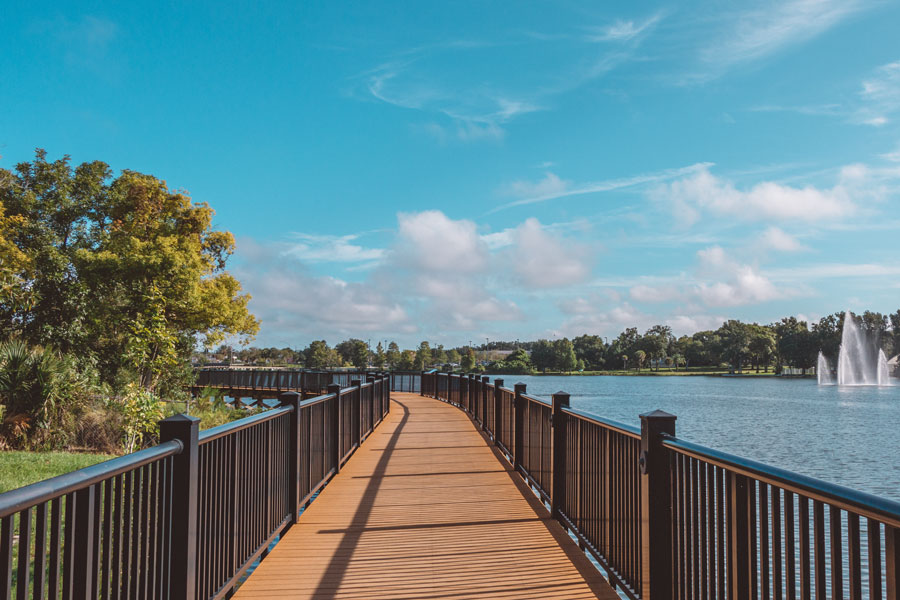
x=426, y=509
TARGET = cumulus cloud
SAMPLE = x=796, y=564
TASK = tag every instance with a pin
x=542, y=260
x=432, y=241
x=777, y=239
x=703, y=193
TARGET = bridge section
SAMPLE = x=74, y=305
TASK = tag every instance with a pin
x=426, y=508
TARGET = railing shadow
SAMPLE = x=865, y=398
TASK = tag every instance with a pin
x=337, y=566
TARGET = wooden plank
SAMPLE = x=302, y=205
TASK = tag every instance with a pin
x=426, y=508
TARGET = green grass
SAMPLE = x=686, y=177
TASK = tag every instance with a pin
x=22, y=468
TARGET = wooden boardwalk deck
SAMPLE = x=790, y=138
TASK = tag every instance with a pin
x=426, y=509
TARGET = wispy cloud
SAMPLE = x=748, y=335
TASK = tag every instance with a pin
x=624, y=31
x=759, y=32
x=880, y=95
x=316, y=248
x=552, y=187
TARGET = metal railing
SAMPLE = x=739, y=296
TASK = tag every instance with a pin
x=250, y=380
x=185, y=519
x=667, y=518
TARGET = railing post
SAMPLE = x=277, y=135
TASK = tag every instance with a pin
x=185, y=480
x=498, y=409
x=370, y=379
x=656, y=507
x=518, y=448
x=477, y=408
x=336, y=425
x=293, y=399
x=558, y=486
x=470, y=399
x=355, y=404
x=464, y=391
x=892, y=561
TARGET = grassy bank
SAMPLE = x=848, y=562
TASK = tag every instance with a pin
x=22, y=468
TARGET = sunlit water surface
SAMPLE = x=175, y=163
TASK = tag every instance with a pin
x=846, y=435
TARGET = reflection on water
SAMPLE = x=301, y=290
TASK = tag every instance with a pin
x=849, y=436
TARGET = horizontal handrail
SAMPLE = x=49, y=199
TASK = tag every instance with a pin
x=214, y=433
x=316, y=400
x=19, y=499
x=862, y=503
x=622, y=428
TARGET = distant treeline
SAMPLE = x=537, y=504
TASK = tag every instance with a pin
x=738, y=345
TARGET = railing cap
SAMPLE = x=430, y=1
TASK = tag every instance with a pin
x=657, y=414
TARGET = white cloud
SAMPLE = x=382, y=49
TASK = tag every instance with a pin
x=758, y=32
x=704, y=193
x=623, y=31
x=552, y=187
x=542, y=260
x=654, y=294
x=329, y=248
x=429, y=240
x=777, y=239
x=880, y=95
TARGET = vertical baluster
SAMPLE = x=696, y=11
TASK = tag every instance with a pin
x=68, y=547
x=819, y=548
x=23, y=569
x=6, y=554
x=720, y=533
x=873, y=535
x=805, y=571
x=837, y=559
x=701, y=557
x=776, y=543
x=695, y=527
x=853, y=548
x=790, y=565
x=764, y=558
x=892, y=561
x=40, y=552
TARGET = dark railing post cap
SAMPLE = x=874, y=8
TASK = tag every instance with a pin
x=181, y=418
x=658, y=414
x=519, y=386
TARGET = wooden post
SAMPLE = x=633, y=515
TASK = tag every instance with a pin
x=185, y=480
x=336, y=425
x=464, y=392
x=293, y=400
x=370, y=379
x=558, y=486
x=518, y=448
x=656, y=507
x=498, y=412
x=478, y=405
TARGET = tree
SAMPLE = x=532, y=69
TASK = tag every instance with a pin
x=468, y=361
x=564, y=358
x=735, y=343
x=639, y=357
x=796, y=343
x=762, y=346
x=423, y=356
x=359, y=357
x=591, y=350
x=453, y=357
x=124, y=270
x=542, y=355
x=318, y=355
x=407, y=361
x=656, y=342
x=393, y=355
x=438, y=356
x=379, y=356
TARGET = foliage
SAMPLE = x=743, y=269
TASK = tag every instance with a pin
x=142, y=412
x=121, y=268
x=423, y=356
x=467, y=362
x=380, y=357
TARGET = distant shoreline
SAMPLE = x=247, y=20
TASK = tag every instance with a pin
x=664, y=374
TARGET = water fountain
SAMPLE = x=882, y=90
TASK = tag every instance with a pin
x=857, y=363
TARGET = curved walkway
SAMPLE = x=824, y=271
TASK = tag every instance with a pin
x=426, y=509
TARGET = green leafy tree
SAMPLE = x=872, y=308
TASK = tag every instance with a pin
x=423, y=356
x=762, y=346
x=318, y=355
x=542, y=355
x=407, y=361
x=796, y=343
x=468, y=361
x=639, y=357
x=438, y=355
x=591, y=350
x=735, y=343
x=656, y=342
x=380, y=357
x=453, y=356
x=564, y=358
x=393, y=355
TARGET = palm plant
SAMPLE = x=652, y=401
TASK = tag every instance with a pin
x=30, y=382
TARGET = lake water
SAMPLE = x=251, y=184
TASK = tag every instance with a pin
x=846, y=435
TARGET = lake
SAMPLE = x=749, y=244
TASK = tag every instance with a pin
x=846, y=435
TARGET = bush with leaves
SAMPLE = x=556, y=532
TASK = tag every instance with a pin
x=141, y=412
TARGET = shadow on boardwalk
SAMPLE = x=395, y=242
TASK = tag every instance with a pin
x=426, y=509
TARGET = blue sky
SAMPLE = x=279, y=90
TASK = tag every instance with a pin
x=461, y=171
